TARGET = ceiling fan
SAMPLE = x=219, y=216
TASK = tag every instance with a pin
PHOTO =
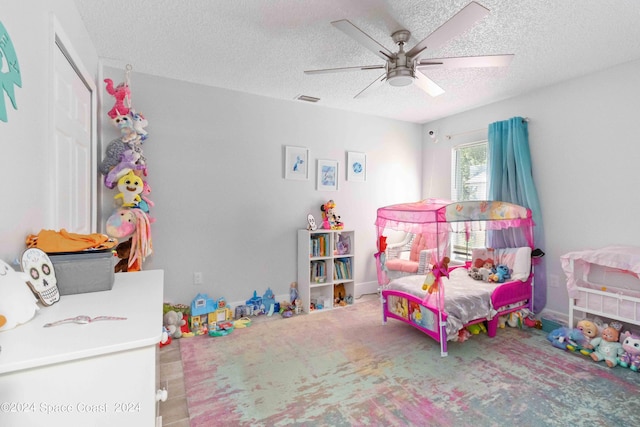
x=403, y=68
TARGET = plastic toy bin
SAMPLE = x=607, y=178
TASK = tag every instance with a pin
x=82, y=272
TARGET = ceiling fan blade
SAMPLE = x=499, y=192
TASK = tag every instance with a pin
x=461, y=21
x=374, y=83
x=363, y=38
x=466, y=62
x=342, y=69
x=427, y=85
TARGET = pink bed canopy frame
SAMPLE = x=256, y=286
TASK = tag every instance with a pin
x=437, y=218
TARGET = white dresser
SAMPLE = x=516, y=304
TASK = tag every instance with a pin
x=99, y=374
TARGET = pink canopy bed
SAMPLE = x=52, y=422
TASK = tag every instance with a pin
x=442, y=299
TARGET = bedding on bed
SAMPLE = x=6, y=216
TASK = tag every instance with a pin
x=466, y=299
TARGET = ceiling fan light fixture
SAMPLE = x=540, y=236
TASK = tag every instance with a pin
x=400, y=77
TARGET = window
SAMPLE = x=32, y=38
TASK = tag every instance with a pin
x=468, y=182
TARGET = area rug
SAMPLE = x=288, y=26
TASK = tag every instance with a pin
x=344, y=368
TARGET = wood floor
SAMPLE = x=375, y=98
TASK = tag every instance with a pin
x=174, y=410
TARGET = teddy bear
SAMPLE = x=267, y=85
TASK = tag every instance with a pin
x=606, y=347
x=631, y=356
x=123, y=250
x=174, y=321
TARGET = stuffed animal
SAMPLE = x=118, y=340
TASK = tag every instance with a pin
x=122, y=251
x=121, y=224
x=606, y=347
x=330, y=221
x=139, y=123
x=486, y=270
x=474, y=273
x=120, y=158
x=18, y=305
x=631, y=356
x=174, y=321
x=122, y=94
x=563, y=336
x=339, y=295
x=590, y=330
x=500, y=275
x=130, y=186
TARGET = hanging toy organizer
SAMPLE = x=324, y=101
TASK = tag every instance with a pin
x=125, y=171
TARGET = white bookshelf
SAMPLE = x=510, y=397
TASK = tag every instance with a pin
x=324, y=262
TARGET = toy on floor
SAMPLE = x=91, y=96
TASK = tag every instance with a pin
x=477, y=328
x=590, y=330
x=165, y=339
x=173, y=321
x=606, y=347
x=563, y=337
x=221, y=329
x=631, y=356
x=18, y=305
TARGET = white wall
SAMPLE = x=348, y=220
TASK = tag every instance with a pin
x=583, y=136
x=24, y=137
x=223, y=208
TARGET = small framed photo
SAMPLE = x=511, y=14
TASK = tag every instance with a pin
x=296, y=163
x=327, y=175
x=356, y=166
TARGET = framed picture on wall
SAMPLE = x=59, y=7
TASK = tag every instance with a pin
x=327, y=175
x=356, y=166
x=296, y=163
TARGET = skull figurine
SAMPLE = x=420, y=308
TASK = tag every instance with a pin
x=42, y=277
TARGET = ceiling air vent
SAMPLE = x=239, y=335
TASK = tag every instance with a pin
x=307, y=98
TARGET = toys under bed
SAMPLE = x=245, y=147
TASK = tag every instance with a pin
x=604, y=283
x=445, y=300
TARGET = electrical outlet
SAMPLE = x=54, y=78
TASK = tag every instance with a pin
x=554, y=281
x=197, y=278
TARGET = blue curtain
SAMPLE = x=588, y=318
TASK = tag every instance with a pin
x=511, y=180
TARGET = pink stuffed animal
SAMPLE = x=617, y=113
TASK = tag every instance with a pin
x=121, y=93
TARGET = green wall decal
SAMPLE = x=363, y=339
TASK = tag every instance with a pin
x=9, y=72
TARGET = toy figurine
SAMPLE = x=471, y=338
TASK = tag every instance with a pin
x=607, y=347
x=631, y=356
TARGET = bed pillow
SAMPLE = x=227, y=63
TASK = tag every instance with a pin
x=517, y=259
x=479, y=256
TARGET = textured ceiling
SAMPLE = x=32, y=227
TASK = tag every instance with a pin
x=262, y=47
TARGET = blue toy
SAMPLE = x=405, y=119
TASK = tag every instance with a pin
x=563, y=337
x=255, y=303
x=501, y=274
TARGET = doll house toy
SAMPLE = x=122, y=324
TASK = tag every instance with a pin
x=203, y=313
x=222, y=313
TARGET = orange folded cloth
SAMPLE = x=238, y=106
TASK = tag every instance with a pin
x=51, y=241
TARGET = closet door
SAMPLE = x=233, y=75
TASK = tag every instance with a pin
x=73, y=159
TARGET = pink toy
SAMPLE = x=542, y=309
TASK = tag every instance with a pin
x=631, y=346
x=122, y=94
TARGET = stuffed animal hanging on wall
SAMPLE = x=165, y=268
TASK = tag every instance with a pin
x=122, y=94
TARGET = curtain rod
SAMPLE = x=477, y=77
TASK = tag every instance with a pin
x=524, y=120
